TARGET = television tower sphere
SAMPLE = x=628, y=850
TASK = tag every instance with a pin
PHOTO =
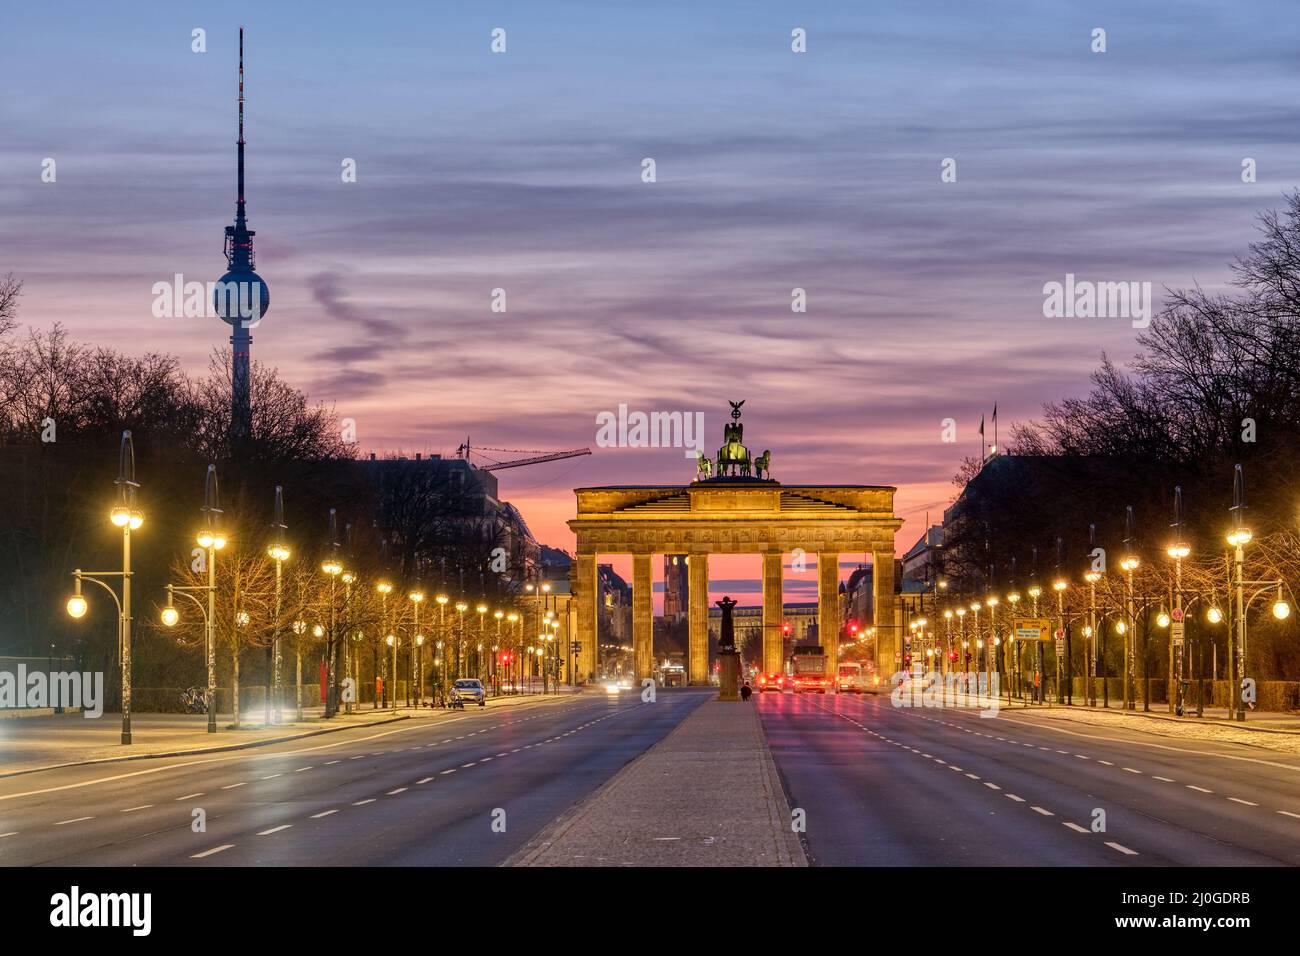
x=234, y=295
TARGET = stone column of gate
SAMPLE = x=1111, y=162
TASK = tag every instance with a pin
x=773, y=612
x=642, y=616
x=885, y=614
x=698, y=639
x=828, y=608
x=586, y=592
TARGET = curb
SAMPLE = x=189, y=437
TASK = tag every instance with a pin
x=246, y=745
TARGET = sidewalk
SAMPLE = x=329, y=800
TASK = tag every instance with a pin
x=708, y=794
x=42, y=743
x=1269, y=730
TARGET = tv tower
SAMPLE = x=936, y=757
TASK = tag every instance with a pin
x=241, y=298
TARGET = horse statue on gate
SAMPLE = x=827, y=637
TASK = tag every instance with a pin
x=762, y=465
x=703, y=467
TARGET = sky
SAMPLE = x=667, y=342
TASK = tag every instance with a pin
x=523, y=171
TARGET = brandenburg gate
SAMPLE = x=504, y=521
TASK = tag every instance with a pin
x=734, y=512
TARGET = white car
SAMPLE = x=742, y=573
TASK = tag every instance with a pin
x=469, y=690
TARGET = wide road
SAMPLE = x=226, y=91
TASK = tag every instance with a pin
x=459, y=789
x=883, y=785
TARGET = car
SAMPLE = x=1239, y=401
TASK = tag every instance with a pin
x=468, y=690
x=774, y=682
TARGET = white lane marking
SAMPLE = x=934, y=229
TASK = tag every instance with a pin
x=1075, y=827
x=1200, y=789
x=1106, y=762
x=1082, y=757
x=15, y=832
x=1163, y=779
x=1285, y=813
x=323, y=813
x=143, y=806
x=393, y=793
x=232, y=786
x=1130, y=770
x=272, y=776
x=189, y=795
x=1012, y=796
x=1294, y=768
x=973, y=776
x=955, y=767
x=330, y=763
x=74, y=820
x=1122, y=848
x=484, y=759
x=215, y=849
x=282, y=826
x=470, y=764
x=425, y=780
x=445, y=772
x=1246, y=802
x=357, y=757
x=992, y=786
x=362, y=803
x=503, y=754
x=1046, y=813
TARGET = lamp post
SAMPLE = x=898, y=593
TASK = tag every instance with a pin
x=349, y=658
x=128, y=517
x=482, y=610
x=213, y=539
x=416, y=597
x=333, y=568
x=1064, y=674
x=461, y=608
x=1129, y=564
x=442, y=600
x=497, y=615
x=385, y=588
x=279, y=553
x=1179, y=551
x=1090, y=655
x=1238, y=538
x=512, y=618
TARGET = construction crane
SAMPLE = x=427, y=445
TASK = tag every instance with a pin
x=539, y=456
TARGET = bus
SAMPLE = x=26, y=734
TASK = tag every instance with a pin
x=851, y=678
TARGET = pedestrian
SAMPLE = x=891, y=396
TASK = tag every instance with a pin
x=746, y=691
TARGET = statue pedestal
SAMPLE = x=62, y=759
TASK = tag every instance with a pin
x=729, y=675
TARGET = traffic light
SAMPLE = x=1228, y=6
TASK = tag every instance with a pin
x=785, y=628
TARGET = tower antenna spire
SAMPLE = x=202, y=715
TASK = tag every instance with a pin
x=239, y=205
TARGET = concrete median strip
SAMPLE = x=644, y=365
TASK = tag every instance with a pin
x=708, y=794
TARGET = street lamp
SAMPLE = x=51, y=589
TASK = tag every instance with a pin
x=461, y=608
x=278, y=552
x=385, y=588
x=128, y=517
x=332, y=567
x=416, y=597
x=1238, y=538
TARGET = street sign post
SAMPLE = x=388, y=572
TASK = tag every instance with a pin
x=1032, y=628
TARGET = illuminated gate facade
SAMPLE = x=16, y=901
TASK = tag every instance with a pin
x=738, y=515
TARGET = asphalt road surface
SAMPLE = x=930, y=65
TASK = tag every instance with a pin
x=896, y=786
x=418, y=792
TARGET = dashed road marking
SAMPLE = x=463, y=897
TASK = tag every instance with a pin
x=1122, y=848
x=74, y=820
x=323, y=813
x=1075, y=827
x=143, y=806
x=282, y=826
x=215, y=849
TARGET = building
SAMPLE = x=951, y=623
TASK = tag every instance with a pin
x=676, y=587
x=798, y=625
